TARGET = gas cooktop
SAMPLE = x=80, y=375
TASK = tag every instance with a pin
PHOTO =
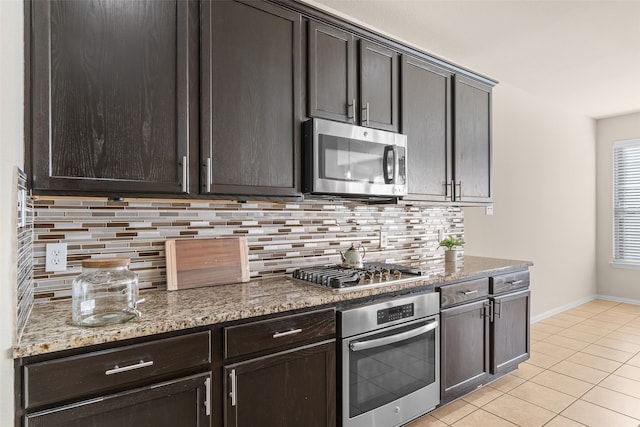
x=371, y=274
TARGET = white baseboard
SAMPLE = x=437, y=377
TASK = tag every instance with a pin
x=581, y=301
x=619, y=299
x=562, y=308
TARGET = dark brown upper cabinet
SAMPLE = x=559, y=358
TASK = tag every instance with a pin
x=250, y=99
x=426, y=120
x=331, y=77
x=112, y=96
x=447, y=120
x=341, y=88
x=472, y=141
x=378, y=86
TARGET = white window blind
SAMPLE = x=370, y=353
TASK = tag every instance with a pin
x=626, y=200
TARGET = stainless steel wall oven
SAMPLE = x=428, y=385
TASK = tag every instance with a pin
x=390, y=361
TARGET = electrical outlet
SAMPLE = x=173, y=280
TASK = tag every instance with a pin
x=56, y=259
x=383, y=239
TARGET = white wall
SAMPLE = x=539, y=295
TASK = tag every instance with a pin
x=544, y=197
x=617, y=282
x=11, y=155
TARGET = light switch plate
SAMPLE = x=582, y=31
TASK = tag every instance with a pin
x=56, y=257
x=489, y=210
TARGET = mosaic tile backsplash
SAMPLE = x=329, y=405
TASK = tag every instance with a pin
x=24, y=230
x=281, y=236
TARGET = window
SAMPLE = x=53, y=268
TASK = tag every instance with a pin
x=626, y=203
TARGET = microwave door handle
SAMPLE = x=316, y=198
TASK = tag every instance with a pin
x=379, y=342
x=389, y=164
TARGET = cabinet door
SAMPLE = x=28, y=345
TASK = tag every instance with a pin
x=472, y=141
x=250, y=126
x=464, y=338
x=288, y=389
x=510, y=331
x=378, y=86
x=110, y=95
x=331, y=73
x=426, y=120
x=182, y=402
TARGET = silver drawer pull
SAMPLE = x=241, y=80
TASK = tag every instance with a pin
x=475, y=291
x=287, y=333
x=232, y=393
x=185, y=176
x=516, y=282
x=117, y=369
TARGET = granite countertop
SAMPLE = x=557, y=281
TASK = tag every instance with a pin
x=49, y=328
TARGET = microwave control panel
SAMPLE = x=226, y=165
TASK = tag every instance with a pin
x=395, y=313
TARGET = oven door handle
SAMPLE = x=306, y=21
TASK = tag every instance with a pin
x=379, y=342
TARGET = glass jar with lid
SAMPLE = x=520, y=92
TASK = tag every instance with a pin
x=105, y=293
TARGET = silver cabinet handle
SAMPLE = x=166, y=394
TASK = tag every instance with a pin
x=232, y=394
x=457, y=195
x=287, y=333
x=491, y=311
x=475, y=291
x=516, y=282
x=184, y=174
x=484, y=310
x=116, y=369
x=365, y=113
x=498, y=309
x=209, y=175
x=351, y=113
x=207, y=391
x=379, y=342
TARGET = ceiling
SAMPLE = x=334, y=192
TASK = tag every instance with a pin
x=582, y=55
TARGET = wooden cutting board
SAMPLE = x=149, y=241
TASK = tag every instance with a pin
x=193, y=263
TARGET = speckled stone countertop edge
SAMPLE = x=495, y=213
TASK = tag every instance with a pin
x=49, y=328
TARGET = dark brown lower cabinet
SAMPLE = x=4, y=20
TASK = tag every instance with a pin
x=181, y=402
x=483, y=339
x=464, y=339
x=510, y=331
x=289, y=388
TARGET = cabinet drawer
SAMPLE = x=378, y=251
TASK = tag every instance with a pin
x=109, y=370
x=509, y=282
x=271, y=334
x=464, y=291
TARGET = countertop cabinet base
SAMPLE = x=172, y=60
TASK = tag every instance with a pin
x=287, y=389
x=181, y=402
x=510, y=331
x=289, y=379
x=484, y=336
x=162, y=382
x=464, y=338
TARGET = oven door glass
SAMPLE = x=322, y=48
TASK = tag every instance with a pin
x=352, y=160
x=387, y=365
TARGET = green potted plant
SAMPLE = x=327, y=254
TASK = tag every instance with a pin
x=451, y=253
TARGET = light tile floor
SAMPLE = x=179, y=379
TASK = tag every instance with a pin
x=584, y=370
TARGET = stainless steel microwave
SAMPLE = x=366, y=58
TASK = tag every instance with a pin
x=348, y=160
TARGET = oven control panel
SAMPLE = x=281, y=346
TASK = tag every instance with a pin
x=395, y=313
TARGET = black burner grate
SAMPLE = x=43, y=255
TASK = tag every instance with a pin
x=336, y=276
